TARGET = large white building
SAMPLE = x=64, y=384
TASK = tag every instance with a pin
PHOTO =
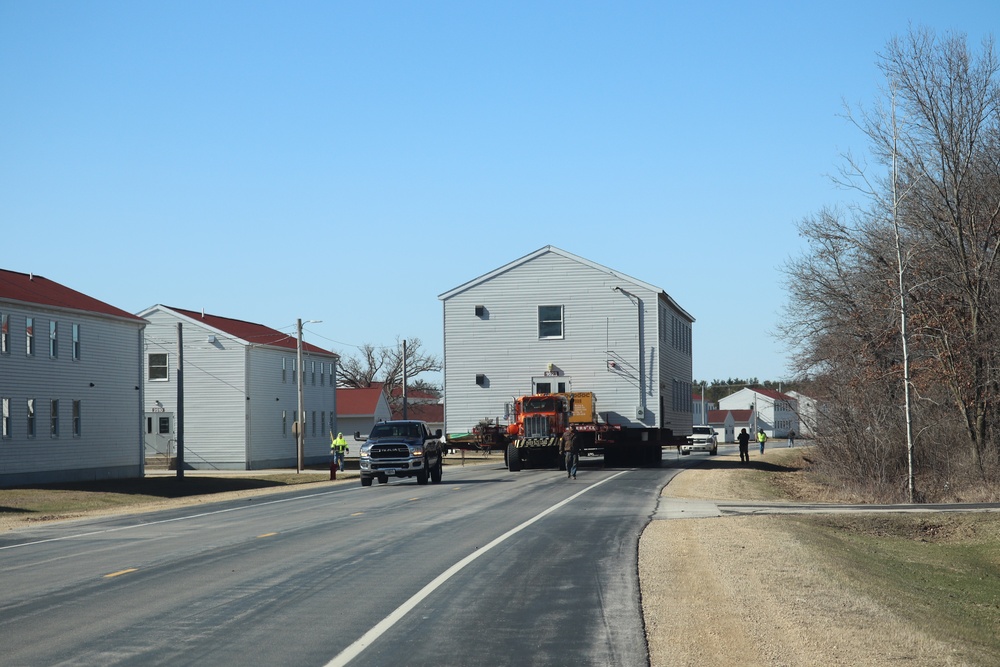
x=240, y=391
x=772, y=411
x=70, y=385
x=552, y=321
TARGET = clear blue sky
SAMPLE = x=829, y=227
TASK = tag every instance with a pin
x=349, y=162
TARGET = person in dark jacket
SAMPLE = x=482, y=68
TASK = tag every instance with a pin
x=744, y=439
x=570, y=452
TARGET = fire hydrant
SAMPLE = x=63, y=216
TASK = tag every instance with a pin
x=333, y=470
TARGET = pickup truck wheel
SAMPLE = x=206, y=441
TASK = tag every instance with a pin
x=436, y=472
x=382, y=479
x=715, y=450
x=422, y=474
x=513, y=459
x=366, y=481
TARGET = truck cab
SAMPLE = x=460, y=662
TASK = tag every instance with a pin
x=404, y=448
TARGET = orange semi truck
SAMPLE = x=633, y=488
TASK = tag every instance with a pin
x=538, y=422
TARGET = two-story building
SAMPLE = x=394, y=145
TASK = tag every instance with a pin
x=71, y=387
x=555, y=322
x=772, y=410
x=240, y=392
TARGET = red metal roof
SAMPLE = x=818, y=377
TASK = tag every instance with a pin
x=357, y=402
x=770, y=393
x=251, y=332
x=428, y=412
x=34, y=289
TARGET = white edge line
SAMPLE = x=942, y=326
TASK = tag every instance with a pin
x=382, y=626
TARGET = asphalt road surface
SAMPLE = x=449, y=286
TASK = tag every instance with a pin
x=487, y=568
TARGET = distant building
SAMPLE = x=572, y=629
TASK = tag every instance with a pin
x=808, y=412
x=70, y=385
x=699, y=416
x=358, y=410
x=240, y=392
x=771, y=410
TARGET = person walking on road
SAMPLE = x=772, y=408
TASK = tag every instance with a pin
x=744, y=439
x=791, y=438
x=338, y=447
x=761, y=439
x=569, y=451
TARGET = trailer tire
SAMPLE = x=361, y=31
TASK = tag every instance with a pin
x=513, y=458
x=436, y=472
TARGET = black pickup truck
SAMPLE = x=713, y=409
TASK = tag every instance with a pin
x=401, y=449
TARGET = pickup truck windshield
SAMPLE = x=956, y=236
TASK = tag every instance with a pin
x=702, y=430
x=396, y=431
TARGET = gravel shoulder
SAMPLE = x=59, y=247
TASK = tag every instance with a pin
x=746, y=591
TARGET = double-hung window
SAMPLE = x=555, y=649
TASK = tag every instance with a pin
x=29, y=336
x=158, y=367
x=53, y=339
x=550, y=321
x=76, y=342
x=4, y=333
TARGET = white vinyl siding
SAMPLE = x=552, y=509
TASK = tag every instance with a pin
x=238, y=401
x=109, y=379
x=609, y=345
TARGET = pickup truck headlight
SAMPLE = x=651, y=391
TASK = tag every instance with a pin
x=416, y=451
x=364, y=449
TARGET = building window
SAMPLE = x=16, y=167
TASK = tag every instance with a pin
x=322, y=415
x=284, y=422
x=76, y=342
x=312, y=369
x=54, y=418
x=4, y=333
x=5, y=417
x=295, y=374
x=550, y=321
x=29, y=336
x=77, y=421
x=284, y=370
x=31, y=418
x=158, y=367
x=53, y=339
x=314, y=423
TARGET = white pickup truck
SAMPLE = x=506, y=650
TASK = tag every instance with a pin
x=702, y=439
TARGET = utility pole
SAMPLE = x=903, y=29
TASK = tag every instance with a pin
x=180, y=401
x=301, y=421
x=404, y=379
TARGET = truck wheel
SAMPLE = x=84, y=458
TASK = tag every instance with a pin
x=513, y=459
x=422, y=474
x=366, y=481
x=436, y=472
x=715, y=450
x=382, y=479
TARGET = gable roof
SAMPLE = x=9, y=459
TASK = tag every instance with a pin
x=550, y=249
x=742, y=416
x=770, y=393
x=28, y=288
x=358, y=402
x=248, y=332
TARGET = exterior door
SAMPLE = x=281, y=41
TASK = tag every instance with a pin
x=159, y=434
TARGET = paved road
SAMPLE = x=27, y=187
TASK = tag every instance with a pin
x=487, y=568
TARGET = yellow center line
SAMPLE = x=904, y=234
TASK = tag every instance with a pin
x=357, y=514
x=121, y=572
x=267, y=535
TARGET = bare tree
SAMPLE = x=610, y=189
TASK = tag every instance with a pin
x=384, y=365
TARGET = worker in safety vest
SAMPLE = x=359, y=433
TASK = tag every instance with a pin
x=338, y=447
x=761, y=439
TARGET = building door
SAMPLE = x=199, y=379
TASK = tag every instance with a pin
x=159, y=434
